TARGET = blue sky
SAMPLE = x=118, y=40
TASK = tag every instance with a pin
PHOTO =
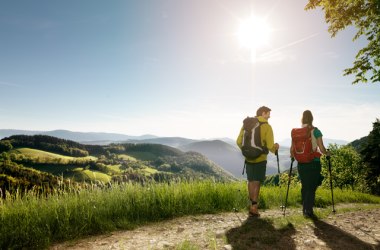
x=175, y=68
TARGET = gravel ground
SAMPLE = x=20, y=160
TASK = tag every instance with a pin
x=358, y=229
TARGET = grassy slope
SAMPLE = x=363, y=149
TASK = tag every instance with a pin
x=95, y=175
x=35, y=153
x=70, y=171
x=126, y=157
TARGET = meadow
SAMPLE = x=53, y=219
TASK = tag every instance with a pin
x=28, y=220
x=49, y=157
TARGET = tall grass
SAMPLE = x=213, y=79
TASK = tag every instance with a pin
x=30, y=221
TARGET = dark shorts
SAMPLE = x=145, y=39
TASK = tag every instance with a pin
x=256, y=171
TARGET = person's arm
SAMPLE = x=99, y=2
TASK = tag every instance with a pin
x=270, y=141
x=318, y=135
x=321, y=146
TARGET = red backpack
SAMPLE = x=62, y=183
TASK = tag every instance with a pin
x=302, y=146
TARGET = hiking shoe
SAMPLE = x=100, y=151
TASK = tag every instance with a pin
x=253, y=214
x=310, y=216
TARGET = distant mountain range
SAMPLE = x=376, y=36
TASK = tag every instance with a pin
x=175, y=142
x=224, y=154
x=99, y=138
x=223, y=151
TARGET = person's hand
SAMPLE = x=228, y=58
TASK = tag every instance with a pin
x=328, y=154
x=276, y=146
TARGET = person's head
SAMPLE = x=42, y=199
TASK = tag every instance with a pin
x=307, y=118
x=264, y=112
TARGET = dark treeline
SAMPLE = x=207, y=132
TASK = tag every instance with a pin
x=50, y=144
x=156, y=149
x=370, y=152
x=75, y=149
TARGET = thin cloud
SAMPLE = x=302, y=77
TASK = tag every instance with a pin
x=9, y=84
x=151, y=59
x=277, y=56
x=29, y=23
x=276, y=53
x=112, y=117
x=331, y=54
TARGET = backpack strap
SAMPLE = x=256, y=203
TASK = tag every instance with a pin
x=264, y=145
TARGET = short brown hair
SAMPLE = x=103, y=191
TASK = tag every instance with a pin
x=307, y=117
x=261, y=110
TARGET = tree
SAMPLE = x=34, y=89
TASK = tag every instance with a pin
x=346, y=167
x=365, y=16
x=5, y=146
x=371, y=157
x=5, y=157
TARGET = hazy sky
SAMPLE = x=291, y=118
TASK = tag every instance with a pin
x=175, y=68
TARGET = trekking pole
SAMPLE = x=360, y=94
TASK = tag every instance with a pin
x=290, y=177
x=278, y=168
x=235, y=209
x=331, y=185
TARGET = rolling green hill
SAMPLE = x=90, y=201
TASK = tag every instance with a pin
x=49, y=157
x=117, y=162
x=15, y=177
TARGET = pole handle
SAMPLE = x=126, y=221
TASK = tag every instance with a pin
x=329, y=155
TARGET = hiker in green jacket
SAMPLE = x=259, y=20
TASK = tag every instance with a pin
x=310, y=172
x=256, y=168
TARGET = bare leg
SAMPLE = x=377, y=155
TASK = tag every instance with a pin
x=254, y=190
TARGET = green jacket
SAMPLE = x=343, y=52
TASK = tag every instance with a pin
x=267, y=139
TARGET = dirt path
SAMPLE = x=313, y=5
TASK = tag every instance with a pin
x=350, y=230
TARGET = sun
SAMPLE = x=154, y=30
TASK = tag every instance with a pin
x=253, y=33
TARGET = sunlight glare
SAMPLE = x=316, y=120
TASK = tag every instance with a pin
x=254, y=33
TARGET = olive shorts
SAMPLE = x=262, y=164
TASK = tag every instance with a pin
x=256, y=171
